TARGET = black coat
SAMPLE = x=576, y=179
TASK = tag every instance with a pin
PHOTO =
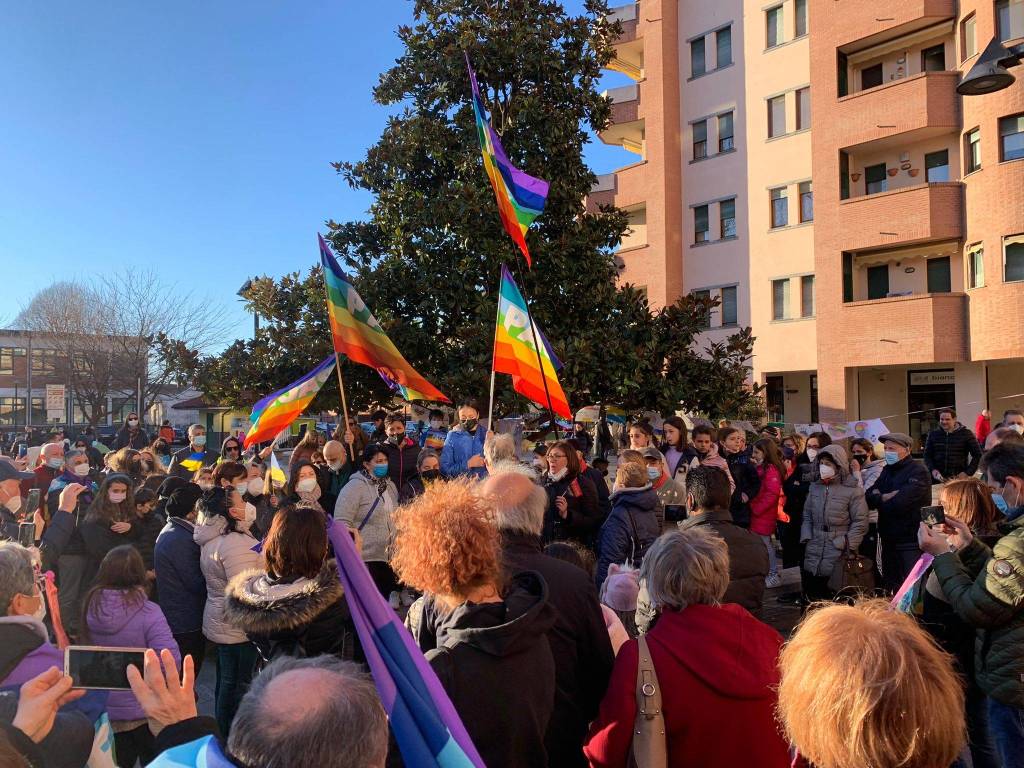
x=176, y=470
x=298, y=620
x=899, y=518
x=748, y=559
x=629, y=530
x=127, y=439
x=744, y=474
x=583, y=515
x=146, y=531
x=952, y=452
x=578, y=640
x=402, y=461
x=604, y=504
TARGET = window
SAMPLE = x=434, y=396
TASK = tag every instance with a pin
x=700, y=140
x=842, y=74
x=806, y=202
x=7, y=355
x=844, y=176
x=871, y=77
x=698, y=65
x=874, y=179
x=780, y=299
x=729, y=305
x=939, y=276
x=44, y=361
x=814, y=398
x=972, y=150
x=773, y=26
x=12, y=411
x=975, y=266
x=1013, y=254
x=936, y=166
x=968, y=37
x=723, y=47
x=800, y=11
x=704, y=296
x=725, y=138
x=38, y=410
x=780, y=207
x=807, y=296
x=934, y=59
x=803, y=108
x=727, y=216
x=775, y=397
x=1009, y=19
x=1011, y=136
x=700, y=224
x=878, y=281
x=777, y=116
x=847, y=276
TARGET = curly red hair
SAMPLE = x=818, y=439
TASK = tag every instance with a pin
x=447, y=542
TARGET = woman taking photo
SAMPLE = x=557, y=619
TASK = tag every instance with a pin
x=222, y=532
x=572, y=498
x=294, y=605
x=764, y=507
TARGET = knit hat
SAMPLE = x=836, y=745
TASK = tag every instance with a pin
x=621, y=587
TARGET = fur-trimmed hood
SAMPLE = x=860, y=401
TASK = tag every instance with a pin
x=258, y=606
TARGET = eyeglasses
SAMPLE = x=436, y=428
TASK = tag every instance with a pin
x=232, y=448
x=556, y=455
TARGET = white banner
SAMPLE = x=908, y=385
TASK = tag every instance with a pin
x=55, y=402
x=871, y=429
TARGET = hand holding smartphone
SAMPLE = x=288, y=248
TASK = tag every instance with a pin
x=101, y=668
x=933, y=515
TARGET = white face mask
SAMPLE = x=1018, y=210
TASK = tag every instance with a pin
x=250, y=514
x=205, y=485
x=559, y=474
x=812, y=453
x=13, y=504
x=116, y=497
x=306, y=484
x=335, y=465
x=1018, y=428
x=81, y=469
x=242, y=487
x=133, y=422
x=827, y=471
x=255, y=486
x=40, y=613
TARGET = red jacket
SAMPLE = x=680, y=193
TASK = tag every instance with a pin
x=982, y=426
x=764, y=508
x=717, y=668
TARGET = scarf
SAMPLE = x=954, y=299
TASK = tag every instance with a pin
x=67, y=478
x=313, y=497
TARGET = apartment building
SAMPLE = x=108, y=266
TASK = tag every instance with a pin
x=835, y=193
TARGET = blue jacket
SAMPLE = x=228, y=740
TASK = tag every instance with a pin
x=900, y=517
x=179, y=578
x=459, y=446
x=630, y=529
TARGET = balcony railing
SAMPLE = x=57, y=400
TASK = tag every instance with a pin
x=927, y=100
x=869, y=22
x=902, y=216
x=924, y=328
x=623, y=13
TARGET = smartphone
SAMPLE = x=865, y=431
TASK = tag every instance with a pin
x=99, y=668
x=31, y=504
x=932, y=516
x=27, y=534
x=22, y=450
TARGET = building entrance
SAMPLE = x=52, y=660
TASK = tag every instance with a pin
x=927, y=392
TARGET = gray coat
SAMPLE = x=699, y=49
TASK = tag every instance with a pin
x=353, y=505
x=833, y=514
x=224, y=555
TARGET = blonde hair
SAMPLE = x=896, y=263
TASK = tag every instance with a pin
x=863, y=685
x=630, y=475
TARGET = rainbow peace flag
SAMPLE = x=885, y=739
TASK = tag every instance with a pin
x=426, y=726
x=277, y=411
x=516, y=354
x=358, y=335
x=520, y=196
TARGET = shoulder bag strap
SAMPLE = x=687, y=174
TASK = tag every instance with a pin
x=370, y=513
x=649, y=747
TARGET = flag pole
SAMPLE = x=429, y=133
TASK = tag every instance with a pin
x=536, y=346
x=337, y=369
x=497, y=319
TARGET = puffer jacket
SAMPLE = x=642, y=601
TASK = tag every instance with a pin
x=299, y=618
x=630, y=529
x=744, y=474
x=224, y=555
x=835, y=512
x=402, y=460
x=986, y=589
x=459, y=446
x=952, y=452
x=354, y=503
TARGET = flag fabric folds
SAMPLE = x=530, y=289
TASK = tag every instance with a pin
x=520, y=196
x=358, y=335
x=276, y=473
x=424, y=721
x=516, y=354
x=277, y=411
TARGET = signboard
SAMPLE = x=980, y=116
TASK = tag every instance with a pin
x=932, y=378
x=55, y=402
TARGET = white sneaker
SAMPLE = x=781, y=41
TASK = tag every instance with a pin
x=772, y=580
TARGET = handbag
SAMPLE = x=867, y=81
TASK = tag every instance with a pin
x=649, y=749
x=852, y=572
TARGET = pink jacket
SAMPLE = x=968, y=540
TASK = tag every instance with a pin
x=765, y=506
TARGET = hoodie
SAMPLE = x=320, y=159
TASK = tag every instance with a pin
x=835, y=514
x=716, y=666
x=629, y=530
x=494, y=661
x=119, y=623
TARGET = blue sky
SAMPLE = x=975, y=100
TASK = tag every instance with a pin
x=192, y=138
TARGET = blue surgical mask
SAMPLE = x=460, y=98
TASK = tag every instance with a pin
x=380, y=471
x=1000, y=502
x=653, y=473
x=55, y=463
x=891, y=457
x=199, y=441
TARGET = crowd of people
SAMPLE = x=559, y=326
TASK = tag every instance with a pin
x=576, y=612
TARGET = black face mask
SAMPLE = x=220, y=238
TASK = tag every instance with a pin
x=430, y=474
x=468, y=424
x=862, y=458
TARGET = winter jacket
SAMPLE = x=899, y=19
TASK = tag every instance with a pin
x=298, y=618
x=982, y=428
x=748, y=559
x=869, y=475
x=495, y=663
x=361, y=495
x=402, y=460
x=835, y=515
x=147, y=529
x=678, y=461
x=459, y=446
x=900, y=516
x=986, y=588
x=62, y=536
x=583, y=515
x=100, y=539
x=629, y=531
x=126, y=438
x=952, y=452
x=185, y=462
x=225, y=554
x=118, y=623
x=331, y=483
x=579, y=644
x=717, y=670
x=604, y=504
x=744, y=474
x=179, y=576
x=764, y=508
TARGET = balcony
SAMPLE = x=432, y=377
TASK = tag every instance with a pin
x=863, y=23
x=628, y=16
x=925, y=104
x=902, y=216
x=911, y=329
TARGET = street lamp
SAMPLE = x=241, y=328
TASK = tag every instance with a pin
x=243, y=293
x=990, y=73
